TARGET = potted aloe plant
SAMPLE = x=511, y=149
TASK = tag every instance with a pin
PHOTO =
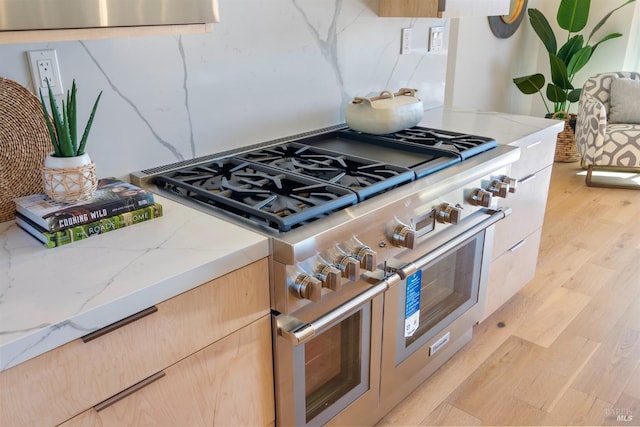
x=69, y=174
x=567, y=60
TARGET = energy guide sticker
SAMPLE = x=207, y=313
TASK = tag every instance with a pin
x=412, y=304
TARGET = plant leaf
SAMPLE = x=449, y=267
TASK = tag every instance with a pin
x=65, y=140
x=605, y=18
x=559, y=75
x=579, y=60
x=573, y=14
x=573, y=45
x=543, y=30
x=604, y=39
x=47, y=120
x=62, y=133
x=574, y=95
x=85, y=134
x=530, y=84
x=555, y=93
x=71, y=105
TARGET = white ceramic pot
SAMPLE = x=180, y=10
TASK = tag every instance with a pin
x=386, y=113
x=69, y=179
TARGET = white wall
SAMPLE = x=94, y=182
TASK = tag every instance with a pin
x=268, y=70
x=482, y=66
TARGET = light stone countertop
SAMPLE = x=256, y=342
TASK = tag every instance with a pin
x=505, y=128
x=49, y=297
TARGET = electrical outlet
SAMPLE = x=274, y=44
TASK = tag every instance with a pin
x=436, y=39
x=45, y=72
x=405, y=41
x=44, y=66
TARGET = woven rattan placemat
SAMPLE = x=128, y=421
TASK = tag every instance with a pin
x=24, y=143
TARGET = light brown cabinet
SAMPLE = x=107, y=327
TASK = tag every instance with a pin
x=409, y=8
x=227, y=383
x=442, y=8
x=62, y=383
x=517, y=237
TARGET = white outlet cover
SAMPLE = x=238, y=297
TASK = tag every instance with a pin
x=36, y=56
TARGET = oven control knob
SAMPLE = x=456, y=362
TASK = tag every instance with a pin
x=330, y=277
x=482, y=197
x=499, y=188
x=513, y=183
x=447, y=213
x=404, y=236
x=307, y=287
x=350, y=267
x=367, y=258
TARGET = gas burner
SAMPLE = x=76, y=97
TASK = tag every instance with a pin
x=265, y=195
x=365, y=177
x=460, y=144
x=437, y=139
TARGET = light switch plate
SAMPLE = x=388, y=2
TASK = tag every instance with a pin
x=405, y=42
x=436, y=39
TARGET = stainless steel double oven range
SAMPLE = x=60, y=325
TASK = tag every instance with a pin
x=380, y=250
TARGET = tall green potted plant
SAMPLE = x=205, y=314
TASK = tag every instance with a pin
x=570, y=58
x=69, y=174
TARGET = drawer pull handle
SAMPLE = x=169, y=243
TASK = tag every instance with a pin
x=120, y=323
x=128, y=391
x=517, y=246
x=527, y=178
x=534, y=144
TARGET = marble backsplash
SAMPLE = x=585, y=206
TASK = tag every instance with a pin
x=268, y=70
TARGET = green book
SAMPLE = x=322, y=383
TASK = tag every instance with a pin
x=84, y=231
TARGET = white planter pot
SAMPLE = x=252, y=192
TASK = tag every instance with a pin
x=69, y=179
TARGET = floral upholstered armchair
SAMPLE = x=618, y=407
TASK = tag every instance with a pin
x=608, y=123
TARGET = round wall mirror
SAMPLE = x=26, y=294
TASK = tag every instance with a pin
x=503, y=26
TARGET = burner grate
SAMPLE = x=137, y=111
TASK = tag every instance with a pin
x=363, y=176
x=266, y=195
x=461, y=145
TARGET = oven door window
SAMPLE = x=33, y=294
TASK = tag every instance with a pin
x=434, y=296
x=336, y=366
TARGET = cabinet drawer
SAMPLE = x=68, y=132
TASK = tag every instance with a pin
x=528, y=206
x=61, y=383
x=535, y=154
x=511, y=271
x=228, y=383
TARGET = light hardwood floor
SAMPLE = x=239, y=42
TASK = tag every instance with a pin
x=569, y=350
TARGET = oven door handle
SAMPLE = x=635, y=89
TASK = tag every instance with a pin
x=299, y=332
x=495, y=216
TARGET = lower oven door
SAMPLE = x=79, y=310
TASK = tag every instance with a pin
x=327, y=370
x=430, y=313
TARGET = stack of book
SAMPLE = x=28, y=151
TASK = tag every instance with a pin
x=115, y=204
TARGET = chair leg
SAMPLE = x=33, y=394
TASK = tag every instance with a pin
x=589, y=174
x=610, y=182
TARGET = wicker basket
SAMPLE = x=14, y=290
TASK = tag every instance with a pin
x=24, y=144
x=566, y=151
